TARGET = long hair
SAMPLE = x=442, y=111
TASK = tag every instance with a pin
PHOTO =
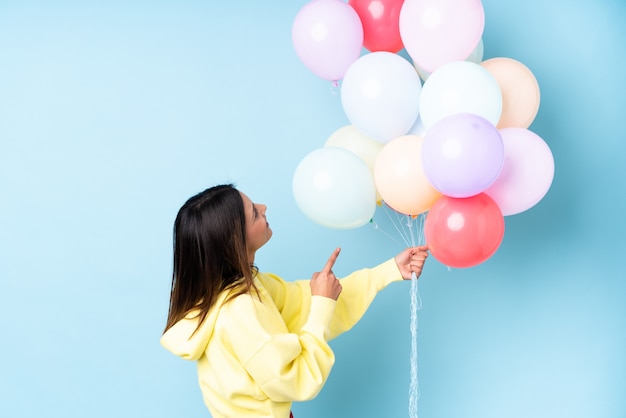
x=210, y=253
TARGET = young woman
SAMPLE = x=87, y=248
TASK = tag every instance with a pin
x=260, y=342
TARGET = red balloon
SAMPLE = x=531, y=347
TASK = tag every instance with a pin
x=381, y=24
x=464, y=232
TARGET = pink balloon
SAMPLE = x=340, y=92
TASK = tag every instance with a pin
x=436, y=32
x=527, y=172
x=327, y=36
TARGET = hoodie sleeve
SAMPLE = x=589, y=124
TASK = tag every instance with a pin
x=359, y=290
x=287, y=366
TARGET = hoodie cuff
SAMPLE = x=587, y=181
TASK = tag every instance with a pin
x=386, y=273
x=320, y=314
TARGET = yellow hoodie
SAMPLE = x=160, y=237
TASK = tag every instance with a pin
x=257, y=355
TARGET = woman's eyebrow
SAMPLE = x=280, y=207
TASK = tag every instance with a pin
x=253, y=209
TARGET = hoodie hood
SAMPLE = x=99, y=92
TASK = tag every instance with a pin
x=180, y=338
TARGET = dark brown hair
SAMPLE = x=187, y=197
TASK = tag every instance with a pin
x=209, y=252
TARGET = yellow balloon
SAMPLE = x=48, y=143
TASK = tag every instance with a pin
x=351, y=139
x=520, y=91
x=400, y=179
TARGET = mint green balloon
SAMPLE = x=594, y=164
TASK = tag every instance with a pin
x=335, y=188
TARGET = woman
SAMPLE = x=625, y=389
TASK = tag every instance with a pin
x=260, y=342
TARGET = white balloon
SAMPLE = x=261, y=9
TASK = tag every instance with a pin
x=460, y=87
x=334, y=188
x=380, y=95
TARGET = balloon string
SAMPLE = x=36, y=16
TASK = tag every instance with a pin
x=378, y=228
x=399, y=226
x=411, y=230
x=417, y=238
x=414, y=385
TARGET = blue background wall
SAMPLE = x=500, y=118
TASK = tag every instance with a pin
x=113, y=113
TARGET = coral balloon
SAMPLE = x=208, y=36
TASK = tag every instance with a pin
x=380, y=95
x=464, y=232
x=380, y=20
x=436, y=32
x=527, y=172
x=334, y=188
x=520, y=91
x=400, y=179
x=328, y=37
x=462, y=155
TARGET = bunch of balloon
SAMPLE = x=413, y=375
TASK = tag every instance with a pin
x=442, y=134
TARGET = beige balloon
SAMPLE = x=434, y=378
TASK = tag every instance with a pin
x=520, y=91
x=351, y=139
x=400, y=179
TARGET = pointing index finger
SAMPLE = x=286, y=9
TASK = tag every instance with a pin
x=331, y=261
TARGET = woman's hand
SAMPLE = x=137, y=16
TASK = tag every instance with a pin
x=411, y=261
x=324, y=283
